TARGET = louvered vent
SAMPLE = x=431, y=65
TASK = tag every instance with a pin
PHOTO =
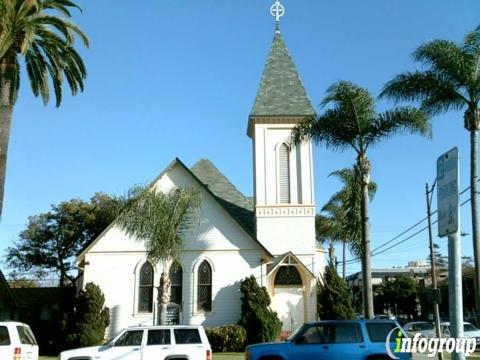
x=284, y=174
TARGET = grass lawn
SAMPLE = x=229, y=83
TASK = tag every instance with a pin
x=228, y=356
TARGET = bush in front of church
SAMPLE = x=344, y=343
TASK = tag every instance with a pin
x=89, y=319
x=260, y=322
x=334, y=298
x=228, y=338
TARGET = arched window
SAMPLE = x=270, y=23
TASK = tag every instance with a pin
x=204, y=287
x=288, y=275
x=145, y=288
x=176, y=282
x=284, y=173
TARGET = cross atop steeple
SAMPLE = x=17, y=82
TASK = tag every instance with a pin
x=277, y=10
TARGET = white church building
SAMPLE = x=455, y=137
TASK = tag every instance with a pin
x=270, y=235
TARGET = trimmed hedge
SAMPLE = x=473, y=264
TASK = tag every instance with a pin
x=261, y=323
x=228, y=338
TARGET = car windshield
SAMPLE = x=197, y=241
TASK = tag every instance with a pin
x=422, y=327
x=469, y=327
x=295, y=334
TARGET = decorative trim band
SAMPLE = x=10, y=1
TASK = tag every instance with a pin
x=285, y=211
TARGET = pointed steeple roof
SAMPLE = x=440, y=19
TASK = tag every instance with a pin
x=281, y=92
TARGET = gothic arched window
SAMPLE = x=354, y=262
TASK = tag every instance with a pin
x=204, y=287
x=176, y=282
x=284, y=173
x=288, y=275
x=145, y=288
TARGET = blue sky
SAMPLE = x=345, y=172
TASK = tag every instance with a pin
x=178, y=78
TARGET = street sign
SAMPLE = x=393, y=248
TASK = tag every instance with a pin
x=447, y=193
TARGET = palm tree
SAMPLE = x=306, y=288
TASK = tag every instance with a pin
x=328, y=229
x=32, y=33
x=162, y=221
x=349, y=198
x=352, y=122
x=340, y=217
x=450, y=80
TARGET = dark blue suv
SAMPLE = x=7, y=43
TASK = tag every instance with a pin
x=332, y=340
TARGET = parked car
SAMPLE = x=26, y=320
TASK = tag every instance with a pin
x=384, y=317
x=468, y=331
x=332, y=340
x=149, y=343
x=425, y=328
x=17, y=342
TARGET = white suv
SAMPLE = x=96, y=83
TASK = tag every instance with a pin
x=17, y=342
x=149, y=343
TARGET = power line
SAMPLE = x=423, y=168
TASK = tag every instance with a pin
x=374, y=253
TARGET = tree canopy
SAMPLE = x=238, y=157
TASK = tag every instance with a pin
x=52, y=239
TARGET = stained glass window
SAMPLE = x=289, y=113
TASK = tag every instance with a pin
x=176, y=281
x=204, y=288
x=145, y=288
x=288, y=275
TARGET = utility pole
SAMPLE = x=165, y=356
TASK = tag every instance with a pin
x=436, y=310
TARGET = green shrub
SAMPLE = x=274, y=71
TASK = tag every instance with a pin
x=89, y=319
x=260, y=322
x=229, y=338
x=334, y=298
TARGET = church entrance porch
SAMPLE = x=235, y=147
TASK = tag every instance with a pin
x=288, y=302
x=289, y=286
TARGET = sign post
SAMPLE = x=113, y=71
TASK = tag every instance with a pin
x=449, y=225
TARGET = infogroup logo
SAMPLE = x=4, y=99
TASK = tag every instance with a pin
x=429, y=346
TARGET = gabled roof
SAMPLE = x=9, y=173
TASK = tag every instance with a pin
x=288, y=258
x=281, y=92
x=238, y=206
x=233, y=201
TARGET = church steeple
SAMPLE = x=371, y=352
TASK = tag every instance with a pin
x=283, y=172
x=281, y=92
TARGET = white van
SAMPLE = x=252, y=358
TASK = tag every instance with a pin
x=17, y=342
x=179, y=342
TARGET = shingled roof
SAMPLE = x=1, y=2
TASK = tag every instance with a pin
x=233, y=201
x=281, y=92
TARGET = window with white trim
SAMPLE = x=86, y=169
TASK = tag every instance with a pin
x=145, y=288
x=176, y=282
x=204, y=287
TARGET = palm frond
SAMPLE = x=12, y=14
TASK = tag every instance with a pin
x=397, y=120
x=160, y=220
x=32, y=29
x=446, y=58
x=472, y=47
x=342, y=211
x=431, y=90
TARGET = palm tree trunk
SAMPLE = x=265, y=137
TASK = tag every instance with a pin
x=475, y=218
x=363, y=169
x=6, y=111
x=344, y=253
x=164, y=297
x=331, y=254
